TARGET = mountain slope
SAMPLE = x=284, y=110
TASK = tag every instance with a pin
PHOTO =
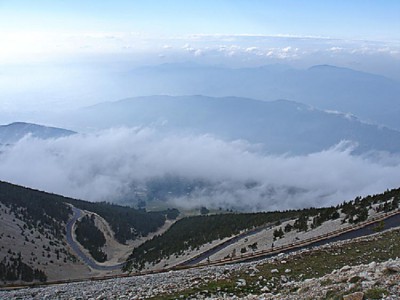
x=12, y=133
x=264, y=231
x=33, y=232
x=33, y=229
x=281, y=126
x=369, y=266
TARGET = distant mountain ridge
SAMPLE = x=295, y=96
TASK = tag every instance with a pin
x=371, y=97
x=281, y=126
x=13, y=132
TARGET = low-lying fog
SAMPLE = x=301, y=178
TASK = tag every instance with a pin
x=113, y=165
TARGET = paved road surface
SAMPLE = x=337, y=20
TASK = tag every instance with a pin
x=393, y=221
x=390, y=222
x=87, y=260
x=197, y=259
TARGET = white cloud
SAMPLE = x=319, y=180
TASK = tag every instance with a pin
x=45, y=45
x=198, y=52
x=336, y=49
x=104, y=166
x=251, y=49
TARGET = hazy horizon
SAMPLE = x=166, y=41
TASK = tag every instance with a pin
x=58, y=58
x=57, y=55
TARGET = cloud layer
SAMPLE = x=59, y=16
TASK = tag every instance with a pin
x=106, y=165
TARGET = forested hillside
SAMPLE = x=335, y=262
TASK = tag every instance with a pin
x=42, y=216
x=34, y=223
x=42, y=209
x=32, y=233
x=13, y=268
x=90, y=237
x=127, y=223
x=38, y=209
x=192, y=232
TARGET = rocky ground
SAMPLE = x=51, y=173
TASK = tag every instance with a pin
x=366, y=268
x=371, y=281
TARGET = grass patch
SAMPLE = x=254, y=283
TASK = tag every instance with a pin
x=376, y=293
x=333, y=295
x=327, y=282
x=355, y=279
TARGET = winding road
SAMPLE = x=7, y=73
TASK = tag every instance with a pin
x=202, y=256
x=391, y=221
x=77, y=213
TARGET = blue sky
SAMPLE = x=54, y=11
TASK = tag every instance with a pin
x=353, y=19
x=58, y=55
x=360, y=34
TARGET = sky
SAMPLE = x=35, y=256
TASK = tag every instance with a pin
x=58, y=55
x=49, y=27
x=354, y=19
x=54, y=53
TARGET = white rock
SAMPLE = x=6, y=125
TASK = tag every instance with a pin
x=372, y=265
x=345, y=269
x=274, y=271
x=265, y=289
x=392, y=266
x=241, y=282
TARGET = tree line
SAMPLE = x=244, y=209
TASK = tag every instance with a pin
x=192, y=232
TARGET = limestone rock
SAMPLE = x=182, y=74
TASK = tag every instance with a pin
x=241, y=282
x=392, y=267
